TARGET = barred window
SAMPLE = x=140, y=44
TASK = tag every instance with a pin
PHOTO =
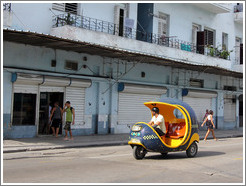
x=66, y=7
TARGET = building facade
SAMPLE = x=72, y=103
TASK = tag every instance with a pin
x=107, y=59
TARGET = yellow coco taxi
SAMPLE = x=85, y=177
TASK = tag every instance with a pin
x=180, y=134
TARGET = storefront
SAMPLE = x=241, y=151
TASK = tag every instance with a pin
x=34, y=94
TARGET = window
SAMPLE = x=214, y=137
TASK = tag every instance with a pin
x=66, y=7
x=24, y=111
x=205, y=38
x=224, y=41
x=163, y=24
x=230, y=88
x=209, y=37
x=197, y=83
x=238, y=51
x=71, y=7
x=121, y=22
x=195, y=29
x=71, y=65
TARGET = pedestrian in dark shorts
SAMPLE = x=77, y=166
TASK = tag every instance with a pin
x=210, y=125
x=70, y=118
x=56, y=114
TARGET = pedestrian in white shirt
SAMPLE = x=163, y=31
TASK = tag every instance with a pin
x=157, y=122
x=210, y=125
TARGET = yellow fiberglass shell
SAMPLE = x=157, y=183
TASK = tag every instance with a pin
x=167, y=110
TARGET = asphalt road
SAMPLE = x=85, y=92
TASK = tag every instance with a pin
x=216, y=162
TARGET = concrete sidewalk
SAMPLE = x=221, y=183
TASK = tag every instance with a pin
x=50, y=142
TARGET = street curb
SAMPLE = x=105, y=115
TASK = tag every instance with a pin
x=65, y=147
x=92, y=145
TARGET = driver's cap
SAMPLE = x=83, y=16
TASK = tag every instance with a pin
x=155, y=109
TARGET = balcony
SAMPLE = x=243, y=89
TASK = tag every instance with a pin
x=238, y=13
x=7, y=15
x=82, y=28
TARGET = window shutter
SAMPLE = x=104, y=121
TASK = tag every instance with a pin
x=71, y=7
x=116, y=19
x=58, y=6
x=210, y=38
x=194, y=33
x=200, y=42
x=66, y=7
x=241, y=53
x=163, y=24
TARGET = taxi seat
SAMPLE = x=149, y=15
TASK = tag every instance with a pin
x=176, y=130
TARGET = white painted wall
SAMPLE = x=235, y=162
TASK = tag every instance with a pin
x=38, y=17
x=138, y=46
x=182, y=16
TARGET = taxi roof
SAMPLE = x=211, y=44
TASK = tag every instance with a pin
x=176, y=102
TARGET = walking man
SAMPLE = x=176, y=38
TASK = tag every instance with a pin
x=56, y=114
x=70, y=118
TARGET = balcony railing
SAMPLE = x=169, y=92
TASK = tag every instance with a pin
x=7, y=6
x=114, y=29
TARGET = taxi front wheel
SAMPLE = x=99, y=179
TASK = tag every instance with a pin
x=139, y=152
x=192, y=150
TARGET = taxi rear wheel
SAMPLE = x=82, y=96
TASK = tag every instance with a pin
x=139, y=152
x=192, y=150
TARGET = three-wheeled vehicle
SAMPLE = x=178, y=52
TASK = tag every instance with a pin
x=181, y=133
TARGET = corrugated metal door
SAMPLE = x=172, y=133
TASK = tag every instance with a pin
x=132, y=109
x=25, y=88
x=229, y=110
x=199, y=105
x=200, y=101
x=76, y=96
x=51, y=89
x=131, y=103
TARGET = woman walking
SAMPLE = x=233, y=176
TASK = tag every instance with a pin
x=210, y=125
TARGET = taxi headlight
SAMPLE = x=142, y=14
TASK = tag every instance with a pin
x=135, y=140
x=136, y=128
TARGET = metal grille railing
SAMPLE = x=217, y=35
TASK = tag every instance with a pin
x=114, y=29
x=7, y=6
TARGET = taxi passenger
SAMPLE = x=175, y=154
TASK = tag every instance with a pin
x=157, y=122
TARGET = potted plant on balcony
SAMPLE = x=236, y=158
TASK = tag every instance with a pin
x=212, y=51
x=223, y=53
x=68, y=19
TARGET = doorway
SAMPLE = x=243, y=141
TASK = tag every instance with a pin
x=47, y=100
x=121, y=22
x=240, y=110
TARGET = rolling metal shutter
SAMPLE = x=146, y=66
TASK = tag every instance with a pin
x=26, y=83
x=23, y=88
x=199, y=101
x=131, y=103
x=229, y=109
x=75, y=93
x=199, y=105
x=76, y=96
